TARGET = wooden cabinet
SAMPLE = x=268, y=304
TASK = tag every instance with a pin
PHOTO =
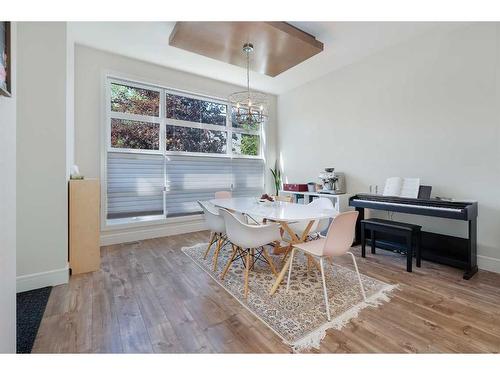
x=84, y=205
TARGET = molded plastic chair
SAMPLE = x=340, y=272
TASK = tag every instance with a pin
x=216, y=224
x=326, y=204
x=248, y=243
x=227, y=195
x=223, y=194
x=337, y=242
x=318, y=226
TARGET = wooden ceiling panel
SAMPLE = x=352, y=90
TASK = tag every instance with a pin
x=278, y=46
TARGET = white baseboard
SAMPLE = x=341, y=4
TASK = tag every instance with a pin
x=181, y=227
x=488, y=263
x=143, y=233
x=42, y=279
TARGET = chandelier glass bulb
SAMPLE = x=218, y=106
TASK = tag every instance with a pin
x=251, y=106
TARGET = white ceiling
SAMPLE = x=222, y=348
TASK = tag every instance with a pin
x=344, y=43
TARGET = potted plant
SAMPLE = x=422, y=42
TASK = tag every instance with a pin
x=277, y=177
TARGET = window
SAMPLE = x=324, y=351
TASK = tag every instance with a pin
x=135, y=134
x=195, y=110
x=245, y=144
x=180, y=138
x=167, y=149
x=134, y=118
x=134, y=100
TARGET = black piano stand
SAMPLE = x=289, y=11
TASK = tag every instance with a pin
x=466, y=261
x=471, y=268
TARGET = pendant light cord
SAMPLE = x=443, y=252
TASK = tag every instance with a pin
x=248, y=73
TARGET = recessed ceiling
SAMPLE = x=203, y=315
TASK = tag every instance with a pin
x=279, y=46
x=344, y=44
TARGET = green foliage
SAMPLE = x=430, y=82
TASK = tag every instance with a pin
x=249, y=144
x=134, y=135
x=135, y=100
x=145, y=136
x=195, y=110
x=277, y=177
x=181, y=138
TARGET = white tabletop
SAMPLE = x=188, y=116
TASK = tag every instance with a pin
x=320, y=193
x=277, y=211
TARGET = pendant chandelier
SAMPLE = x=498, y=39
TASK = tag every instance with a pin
x=250, y=107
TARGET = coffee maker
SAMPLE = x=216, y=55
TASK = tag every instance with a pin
x=333, y=182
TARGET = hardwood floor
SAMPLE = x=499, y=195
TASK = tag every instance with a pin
x=149, y=297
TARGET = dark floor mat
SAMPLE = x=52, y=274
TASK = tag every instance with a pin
x=30, y=309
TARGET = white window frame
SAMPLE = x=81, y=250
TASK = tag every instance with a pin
x=130, y=116
x=163, y=121
x=108, y=114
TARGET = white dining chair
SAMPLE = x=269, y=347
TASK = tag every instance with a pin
x=248, y=243
x=227, y=195
x=319, y=225
x=217, y=227
x=337, y=242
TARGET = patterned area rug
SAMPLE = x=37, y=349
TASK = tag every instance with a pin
x=299, y=316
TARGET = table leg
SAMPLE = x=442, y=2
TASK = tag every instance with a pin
x=295, y=240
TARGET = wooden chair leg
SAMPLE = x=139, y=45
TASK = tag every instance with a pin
x=270, y=261
x=228, y=265
x=247, y=271
x=277, y=247
x=217, y=250
x=212, y=239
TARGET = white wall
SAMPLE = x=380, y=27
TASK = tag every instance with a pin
x=427, y=108
x=42, y=208
x=8, y=211
x=90, y=67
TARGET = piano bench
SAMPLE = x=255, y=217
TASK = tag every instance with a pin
x=411, y=233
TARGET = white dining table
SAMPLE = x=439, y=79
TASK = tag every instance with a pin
x=280, y=212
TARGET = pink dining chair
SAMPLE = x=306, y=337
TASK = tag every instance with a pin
x=223, y=194
x=337, y=242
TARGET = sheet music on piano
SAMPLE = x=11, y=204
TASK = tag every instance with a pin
x=402, y=187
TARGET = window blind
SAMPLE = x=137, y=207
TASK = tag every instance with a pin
x=193, y=178
x=248, y=177
x=135, y=182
